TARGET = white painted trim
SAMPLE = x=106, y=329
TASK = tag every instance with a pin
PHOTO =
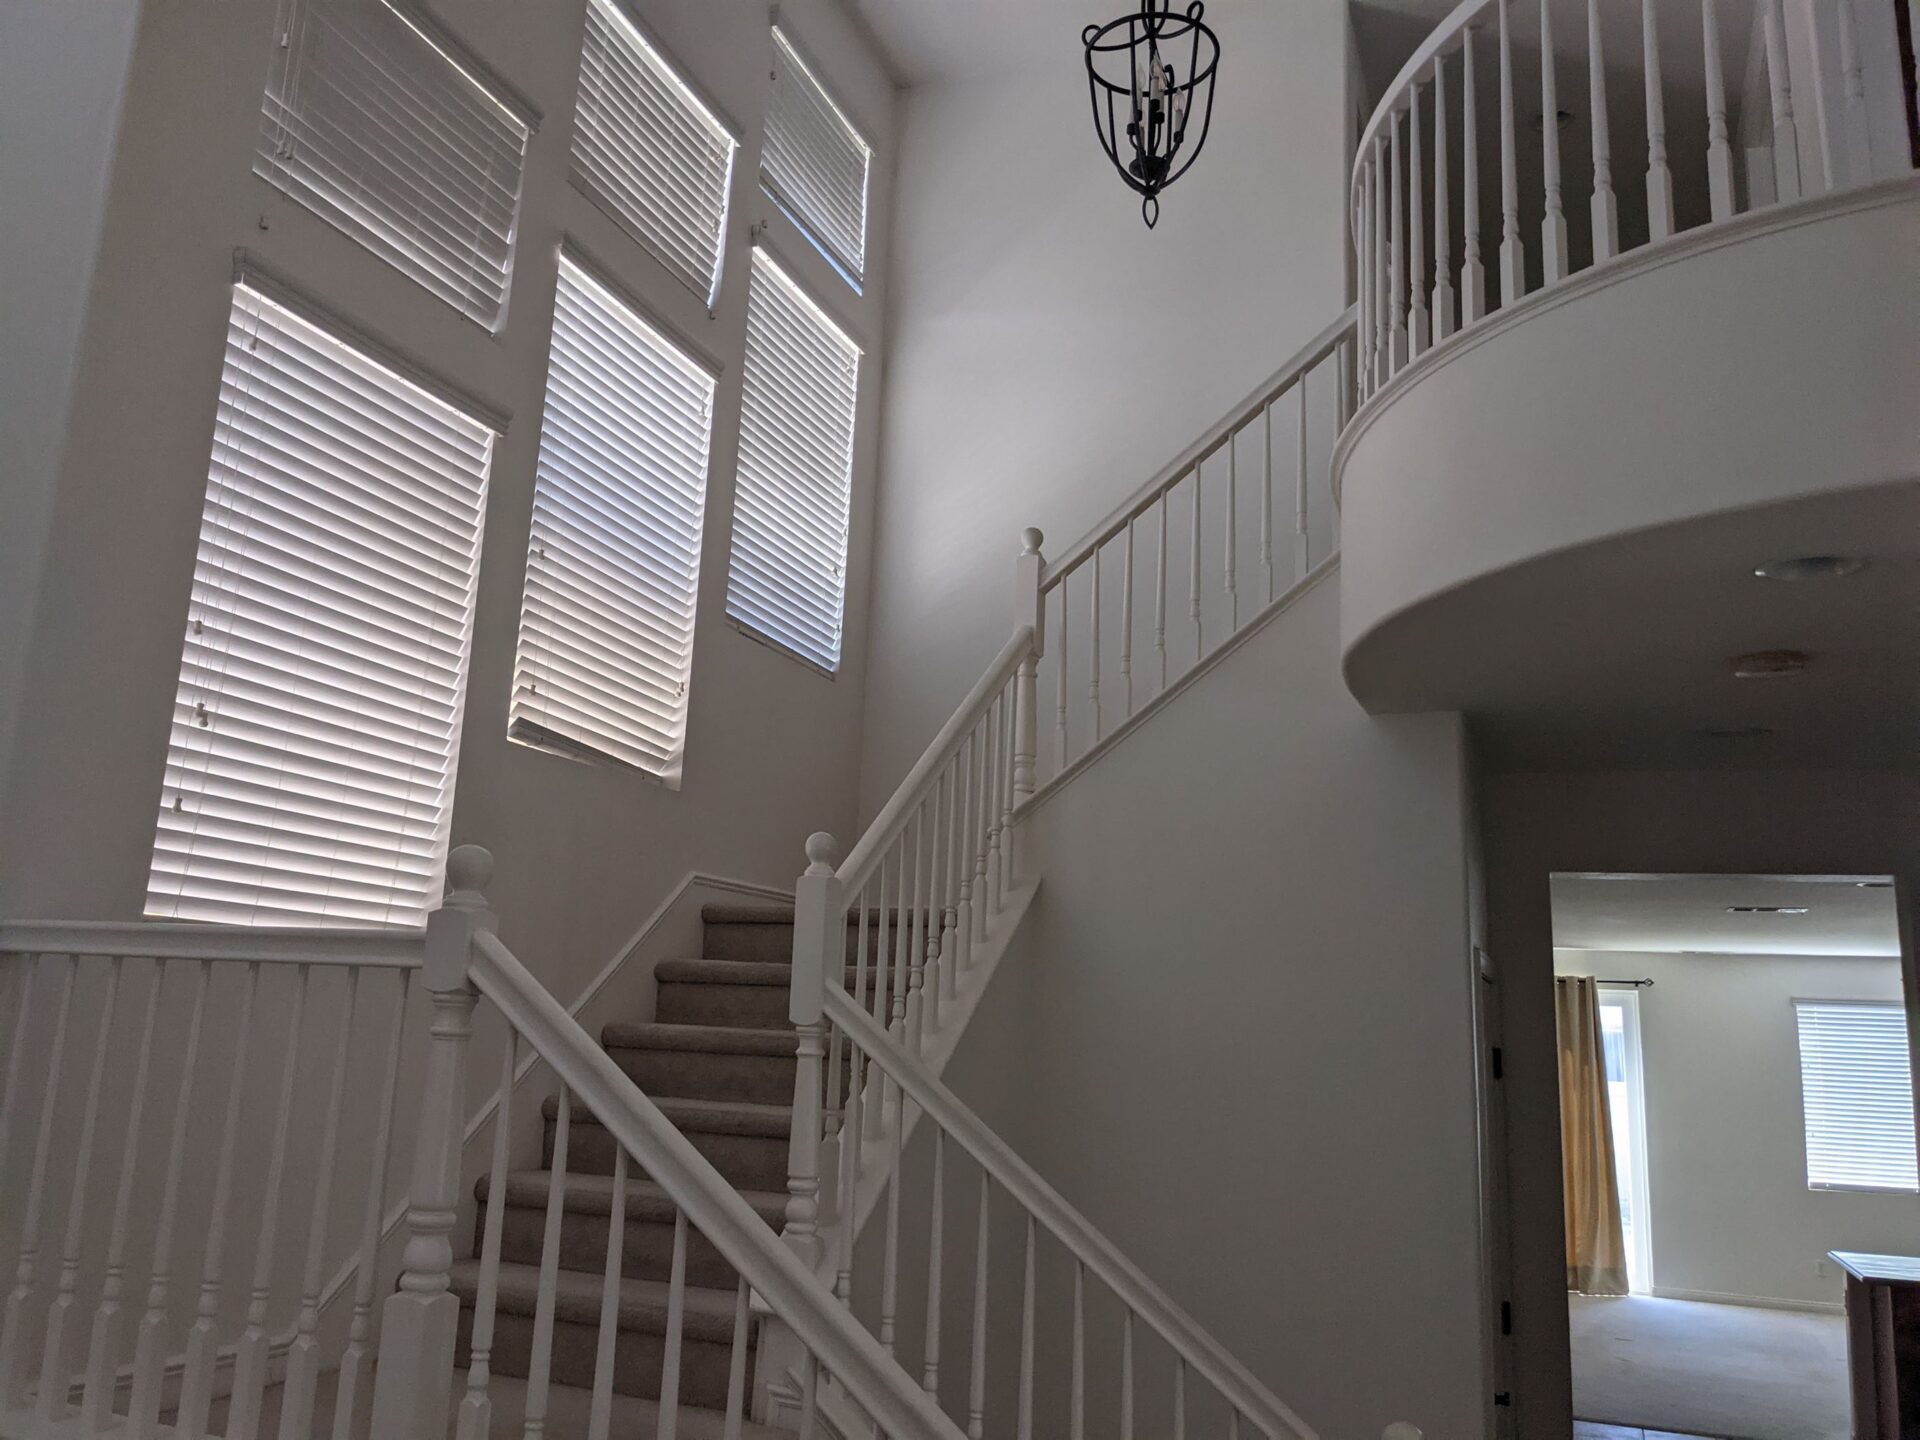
x=1754, y=1302
x=1323, y=571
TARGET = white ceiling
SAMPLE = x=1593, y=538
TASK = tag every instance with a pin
x=928, y=40
x=1687, y=914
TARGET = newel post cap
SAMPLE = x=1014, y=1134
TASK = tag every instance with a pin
x=822, y=851
x=1031, y=540
x=469, y=872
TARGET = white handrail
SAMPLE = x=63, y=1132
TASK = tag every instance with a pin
x=1146, y=1300
x=711, y=1205
x=398, y=949
x=1142, y=500
x=854, y=870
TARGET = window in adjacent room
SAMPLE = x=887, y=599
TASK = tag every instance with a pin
x=613, y=569
x=309, y=775
x=788, y=567
x=1856, y=1084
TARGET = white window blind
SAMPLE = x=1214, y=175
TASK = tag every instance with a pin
x=648, y=152
x=814, y=162
x=788, y=569
x=1855, y=1081
x=606, y=628
x=310, y=765
x=372, y=121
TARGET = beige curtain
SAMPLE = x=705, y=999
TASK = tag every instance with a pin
x=1596, y=1250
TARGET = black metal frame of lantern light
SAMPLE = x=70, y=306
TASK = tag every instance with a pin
x=1143, y=124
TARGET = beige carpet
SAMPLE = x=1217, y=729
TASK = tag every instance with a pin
x=1733, y=1371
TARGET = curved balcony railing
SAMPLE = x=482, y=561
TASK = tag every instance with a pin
x=1466, y=200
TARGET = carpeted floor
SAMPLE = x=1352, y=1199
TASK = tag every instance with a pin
x=1732, y=1371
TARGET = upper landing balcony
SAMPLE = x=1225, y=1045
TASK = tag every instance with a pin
x=1640, y=314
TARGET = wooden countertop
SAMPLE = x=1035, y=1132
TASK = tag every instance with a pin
x=1882, y=1269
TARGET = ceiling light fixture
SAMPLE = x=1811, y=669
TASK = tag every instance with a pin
x=1764, y=664
x=1811, y=567
x=1148, y=73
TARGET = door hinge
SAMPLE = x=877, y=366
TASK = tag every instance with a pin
x=1506, y=1317
x=1499, y=1069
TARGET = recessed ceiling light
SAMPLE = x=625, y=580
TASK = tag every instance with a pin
x=1811, y=567
x=1762, y=664
x=1767, y=909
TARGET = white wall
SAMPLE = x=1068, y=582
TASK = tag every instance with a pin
x=1048, y=353
x=1244, y=1035
x=1732, y=1216
x=1774, y=823
x=584, y=851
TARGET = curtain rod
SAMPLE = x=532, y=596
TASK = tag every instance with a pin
x=1636, y=984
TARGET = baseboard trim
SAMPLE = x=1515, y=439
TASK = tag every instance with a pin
x=1756, y=1302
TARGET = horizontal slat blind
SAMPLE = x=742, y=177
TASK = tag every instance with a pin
x=310, y=765
x=648, y=152
x=815, y=162
x=1858, y=1092
x=375, y=126
x=606, y=629
x=788, y=570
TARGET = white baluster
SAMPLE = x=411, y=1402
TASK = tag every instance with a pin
x=413, y=1382
x=1060, y=693
x=1824, y=110
x=1126, y=1376
x=1006, y=800
x=1266, y=494
x=1859, y=146
x=1179, y=1400
x=996, y=827
x=1513, y=250
x=27, y=965
x=196, y=1386
x=1030, y=609
x=810, y=1397
x=819, y=932
x=1719, y=149
x=476, y=1406
x=1786, y=134
x=1659, y=175
x=915, y=927
x=1473, y=270
x=600, y=1407
x=1093, y=644
x=890, y=1254
x=1397, y=251
x=1553, y=227
x=983, y=819
x=1605, y=207
x=353, y=1396
x=977, y=1377
x=950, y=935
x=1419, y=324
x=1301, y=554
x=1233, y=532
x=1382, y=281
x=13, y=1331
x=303, y=1356
x=250, y=1365
x=54, y=1370
x=540, y=1366
x=1443, y=322
x=930, y=1367
x=1193, y=573
x=1077, y=1407
x=737, y=1365
x=676, y=1328
x=1026, y=1340
x=1160, y=596
x=853, y=1137
x=149, y=1352
x=1363, y=268
x=97, y=1402
x=969, y=827
x=1126, y=619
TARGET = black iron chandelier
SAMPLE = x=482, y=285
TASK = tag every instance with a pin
x=1150, y=75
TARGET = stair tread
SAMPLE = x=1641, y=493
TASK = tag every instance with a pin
x=725, y=972
x=715, y=1039
x=725, y=1117
x=577, y=1295
x=593, y=1195
x=781, y=915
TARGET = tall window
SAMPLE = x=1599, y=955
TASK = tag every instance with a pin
x=814, y=163
x=649, y=152
x=788, y=570
x=1856, y=1084
x=377, y=122
x=606, y=628
x=310, y=764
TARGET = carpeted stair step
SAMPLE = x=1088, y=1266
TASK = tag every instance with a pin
x=640, y=1345
x=705, y=1062
x=587, y=1200
x=746, y=1143
x=764, y=933
x=745, y=993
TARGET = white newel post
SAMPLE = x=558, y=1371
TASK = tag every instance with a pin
x=1029, y=608
x=819, y=932
x=413, y=1381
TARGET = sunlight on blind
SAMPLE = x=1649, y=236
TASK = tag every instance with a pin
x=788, y=571
x=1857, y=1087
x=814, y=162
x=606, y=628
x=310, y=765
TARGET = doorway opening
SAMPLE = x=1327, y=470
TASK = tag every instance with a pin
x=1737, y=1124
